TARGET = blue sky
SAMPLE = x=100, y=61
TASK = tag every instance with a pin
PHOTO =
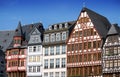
x=52, y=11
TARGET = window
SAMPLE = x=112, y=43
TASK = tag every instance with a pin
x=34, y=68
x=63, y=49
x=46, y=51
x=63, y=62
x=14, y=52
x=57, y=63
x=57, y=50
x=52, y=50
x=22, y=63
x=76, y=34
x=76, y=46
x=46, y=38
x=119, y=63
x=51, y=74
x=37, y=58
x=85, y=33
x=94, y=57
x=64, y=36
x=30, y=68
x=35, y=39
x=94, y=44
x=38, y=68
x=30, y=49
x=80, y=33
x=80, y=58
x=89, y=57
x=51, y=63
x=30, y=58
x=56, y=74
x=85, y=45
x=46, y=64
x=99, y=56
x=66, y=25
x=13, y=63
x=98, y=44
x=85, y=57
x=107, y=64
x=33, y=58
x=115, y=51
x=111, y=63
x=118, y=50
x=22, y=52
x=55, y=27
x=38, y=48
x=107, y=51
x=80, y=46
x=89, y=45
x=34, y=49
x=2, y=62
x=58, y=37
x=45, y=74
x=115, y=63
x=111, y=51
x=52, y=37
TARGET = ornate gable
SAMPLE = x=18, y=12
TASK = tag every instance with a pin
x=35, y=36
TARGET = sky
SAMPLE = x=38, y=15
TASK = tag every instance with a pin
x=50, y=12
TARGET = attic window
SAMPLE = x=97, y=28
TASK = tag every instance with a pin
x=4, y=40
x=66, y=25
x=8, y=34
x=1, y=47
x=50, y=27
x=55, y=27
x=2, y=62
x=60, y=26
x=16, y=30
x=1, y=71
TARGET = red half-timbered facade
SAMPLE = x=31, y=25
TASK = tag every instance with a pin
x=16, y=55
x=84, y=45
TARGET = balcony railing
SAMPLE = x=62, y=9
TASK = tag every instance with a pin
x=111, y=70
x=111, y=57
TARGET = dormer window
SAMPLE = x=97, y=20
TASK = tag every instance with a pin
x=16, y=30
x=60, y=26
x=50, y=27
x=66, y=25
x=55, y=27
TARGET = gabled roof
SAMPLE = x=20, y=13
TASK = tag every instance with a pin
x=114, y=30
x=100, y=22
x=6, y=38
x=18, y=31
x=26, y=29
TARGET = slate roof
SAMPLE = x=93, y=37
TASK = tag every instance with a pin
x=18, y=31
x=114, y=30
x=26, y=29
x=100, y=22
x=6, y=38
x=1, y=53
